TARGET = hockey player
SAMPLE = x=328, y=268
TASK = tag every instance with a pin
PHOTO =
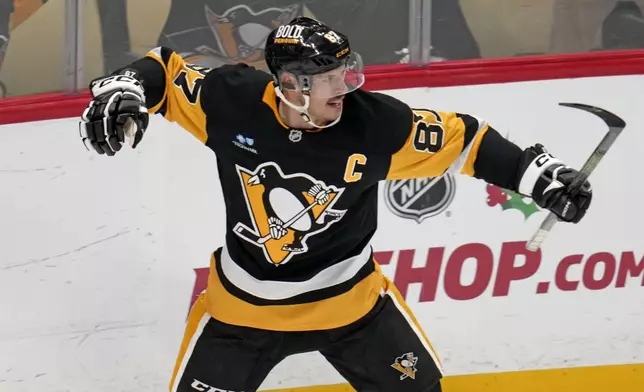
x=300, y=154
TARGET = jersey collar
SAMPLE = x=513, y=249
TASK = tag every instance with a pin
x=270, y=99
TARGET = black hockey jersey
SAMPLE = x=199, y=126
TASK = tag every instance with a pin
x=301, y=205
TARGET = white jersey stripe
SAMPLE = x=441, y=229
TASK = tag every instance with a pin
x=277, y=290
x=457, y=166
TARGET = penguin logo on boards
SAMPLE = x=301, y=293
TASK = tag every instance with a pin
x=237, y=35
x=285, y=210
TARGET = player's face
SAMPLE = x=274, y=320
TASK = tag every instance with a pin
x=326, y=98
x=327, y=94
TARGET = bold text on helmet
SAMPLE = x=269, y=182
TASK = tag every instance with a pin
x=289, y=31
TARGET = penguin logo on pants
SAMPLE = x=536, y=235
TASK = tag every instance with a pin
x=285, y=210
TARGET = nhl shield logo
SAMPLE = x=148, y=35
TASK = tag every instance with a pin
x=295, y=135
x=420, y=198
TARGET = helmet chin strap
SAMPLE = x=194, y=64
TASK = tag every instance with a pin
x=304, y=110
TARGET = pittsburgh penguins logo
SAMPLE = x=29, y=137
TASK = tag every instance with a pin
x=239, y=35
x=285, y=210
x=406, y=364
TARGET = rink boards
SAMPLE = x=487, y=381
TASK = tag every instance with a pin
x=101, y=257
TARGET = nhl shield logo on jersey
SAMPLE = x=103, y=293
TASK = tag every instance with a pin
x=295, y=135
x=285, y=210
x=406, y=364
x=420, y=198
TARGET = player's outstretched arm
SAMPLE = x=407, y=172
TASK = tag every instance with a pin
x=441, y=142
x=161, y=82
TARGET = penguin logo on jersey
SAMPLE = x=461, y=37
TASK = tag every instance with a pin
x=285, y=210
x=406, y=364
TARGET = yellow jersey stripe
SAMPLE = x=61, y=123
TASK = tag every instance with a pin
x=182, y=96
x=333, y=312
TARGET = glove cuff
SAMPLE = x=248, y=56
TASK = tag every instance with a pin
x=113, y=83
x=533, y=172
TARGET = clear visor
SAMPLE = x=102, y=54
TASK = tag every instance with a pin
x=342, y=80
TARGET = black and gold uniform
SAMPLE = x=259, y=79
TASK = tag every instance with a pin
x=320, y=188
x=326, y=179
x=296, y=272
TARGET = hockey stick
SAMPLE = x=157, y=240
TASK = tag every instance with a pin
x=261, y=240
x=615, y=127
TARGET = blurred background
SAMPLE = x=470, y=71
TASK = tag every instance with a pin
x=60, y=45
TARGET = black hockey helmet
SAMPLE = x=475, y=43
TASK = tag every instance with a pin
x=305, y=47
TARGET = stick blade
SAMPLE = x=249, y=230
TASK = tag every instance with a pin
x=615, y=125
x=611, y=119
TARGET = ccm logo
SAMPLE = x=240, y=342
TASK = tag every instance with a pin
x=543, y=159
x=119, y=78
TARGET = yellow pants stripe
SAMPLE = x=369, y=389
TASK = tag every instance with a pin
x=197, y=320
x=409, y=315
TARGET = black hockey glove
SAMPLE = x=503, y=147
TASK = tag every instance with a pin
x=547, y=180
x=117, y=112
